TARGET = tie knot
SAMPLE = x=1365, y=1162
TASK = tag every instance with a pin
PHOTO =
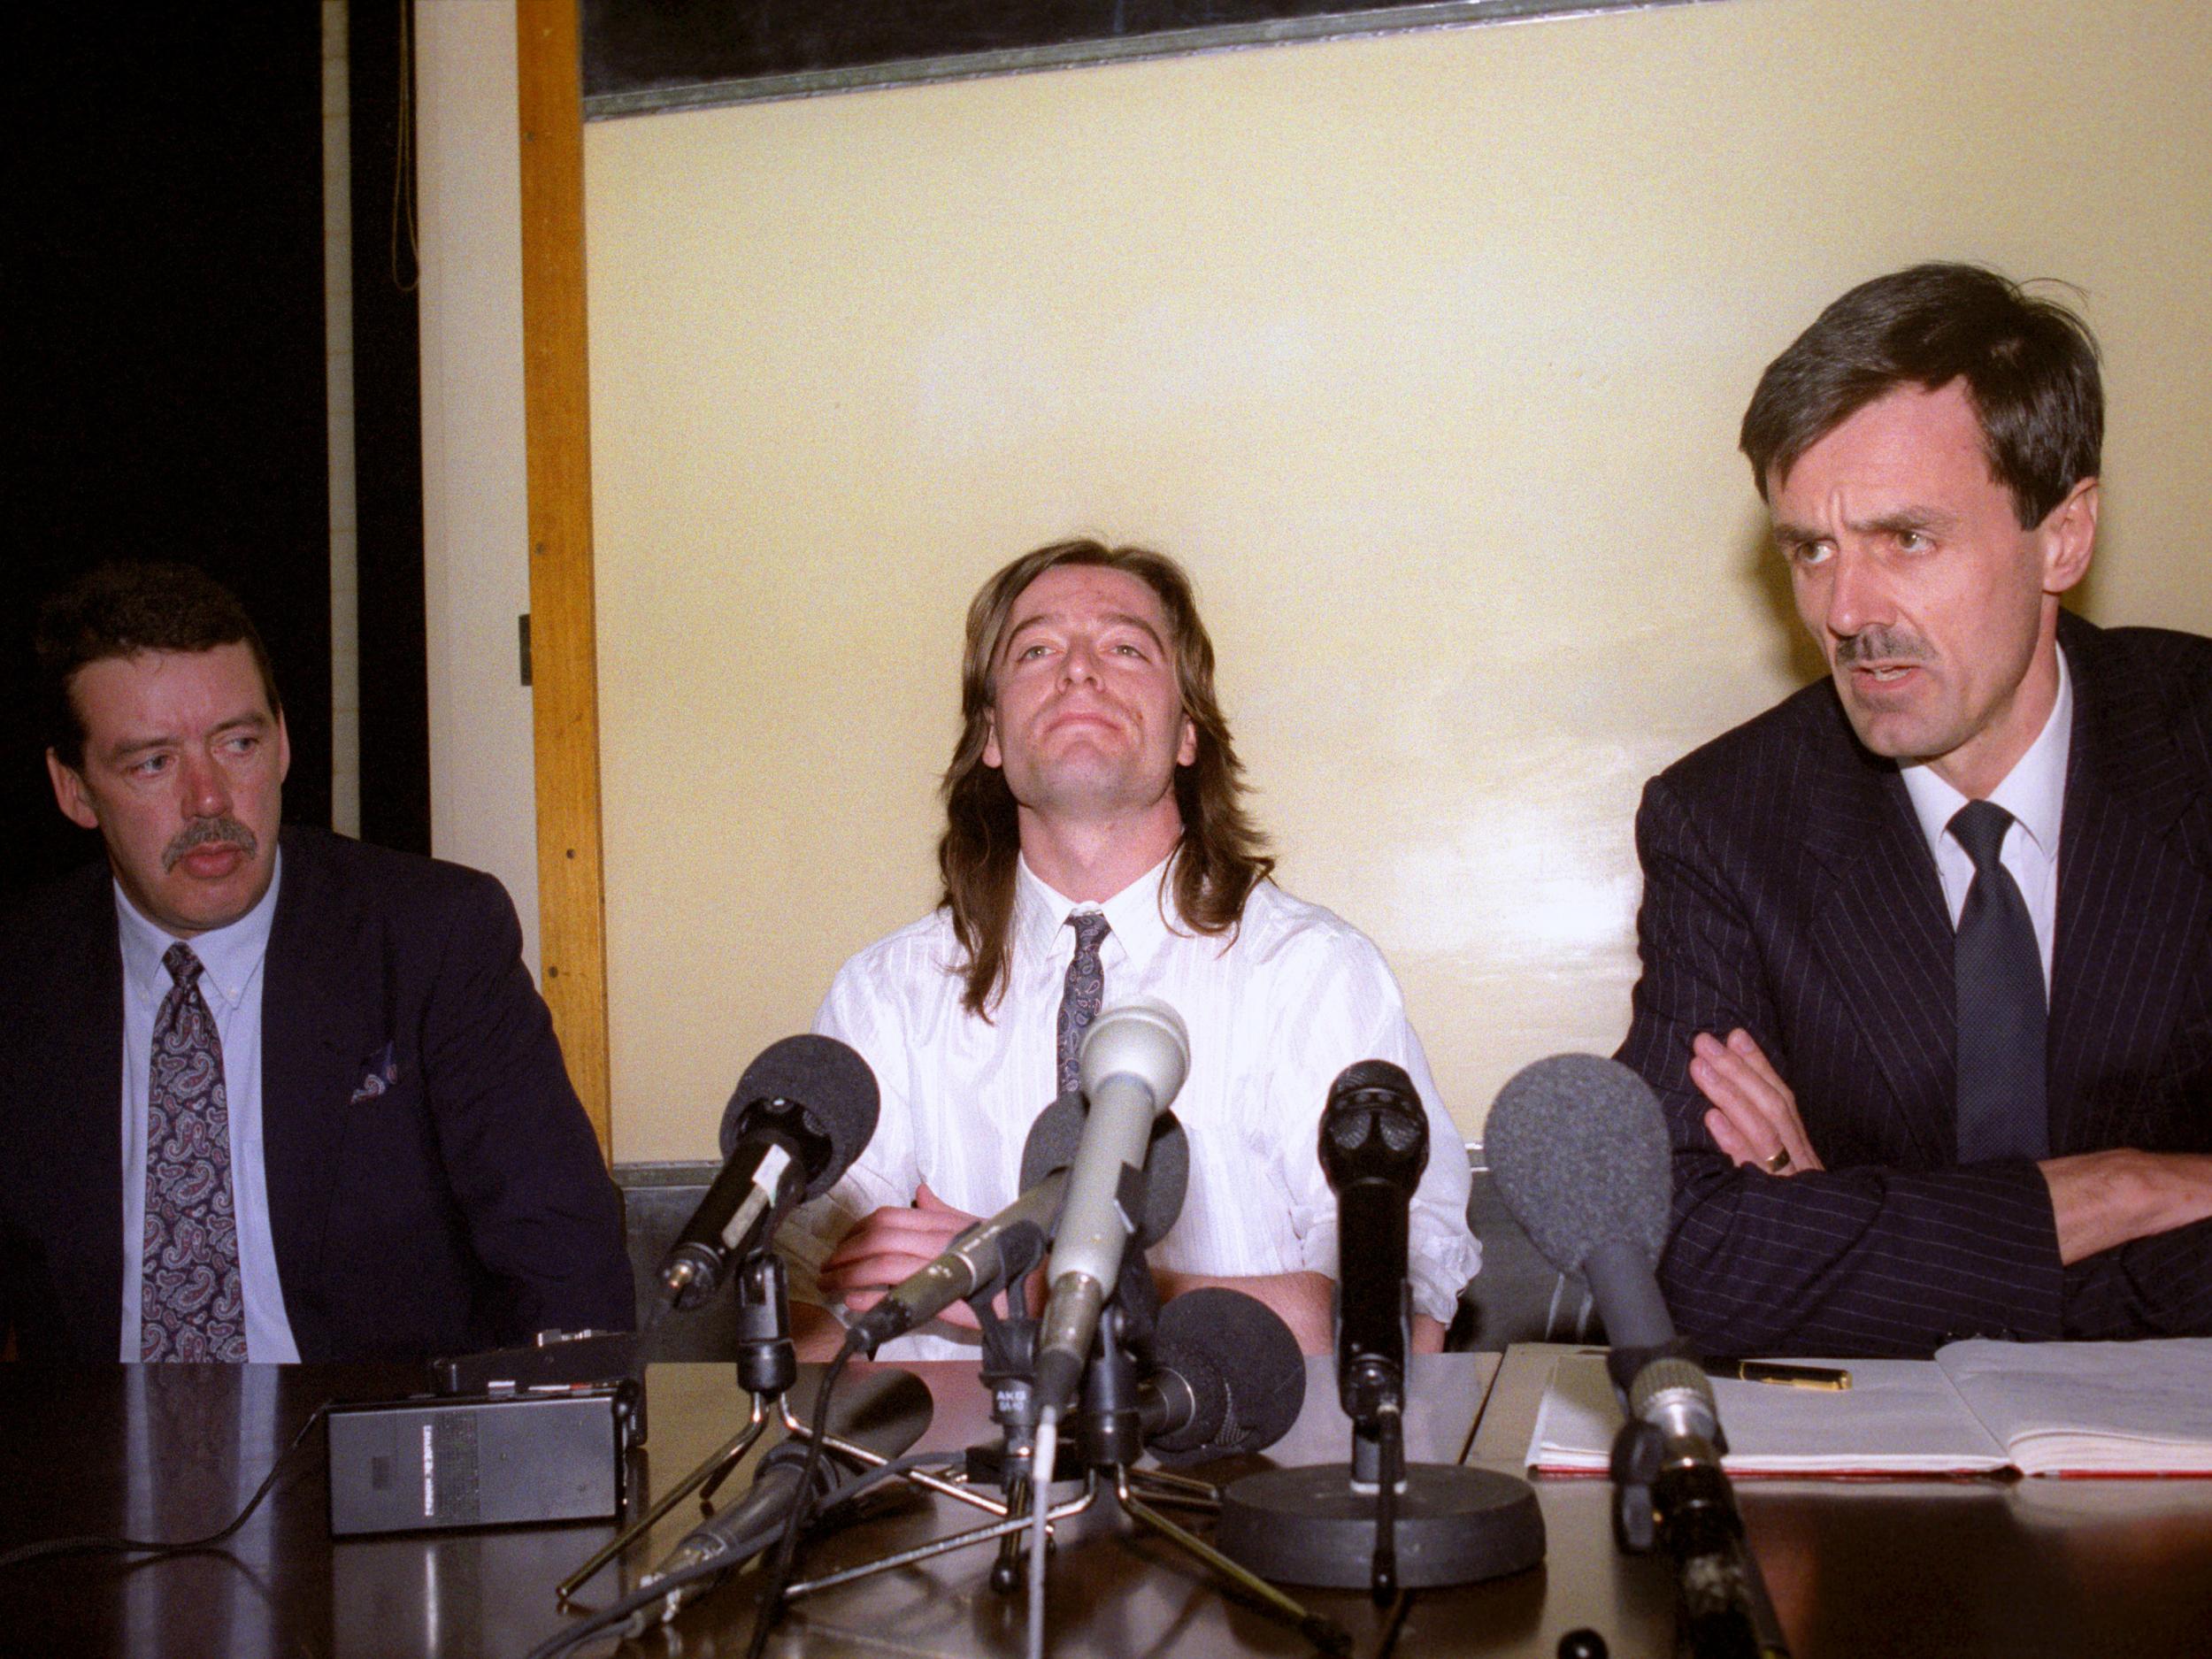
x=1090, y=928
x=1979, y=826
x=183, y=966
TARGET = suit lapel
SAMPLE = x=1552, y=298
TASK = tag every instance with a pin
x=1882, y=930
x=321, y=1009
x=2134, y=908
x=78, y=1123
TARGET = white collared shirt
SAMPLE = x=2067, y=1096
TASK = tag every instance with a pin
x=2034, y=792
x=1273, y=1017
x=231, y=961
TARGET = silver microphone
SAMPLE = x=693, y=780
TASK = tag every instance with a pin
x=1134, y=1058
x=976, y=1257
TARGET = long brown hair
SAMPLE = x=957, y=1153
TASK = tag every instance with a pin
x=1222, y=856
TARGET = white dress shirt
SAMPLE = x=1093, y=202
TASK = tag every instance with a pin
x=1274, y=1013
x=2034, y=792
x=230, y=979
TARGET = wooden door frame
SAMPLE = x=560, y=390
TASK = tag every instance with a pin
x=563, y=646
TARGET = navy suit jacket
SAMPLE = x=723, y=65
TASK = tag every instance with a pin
x=462, y=1205
x=1788, y=890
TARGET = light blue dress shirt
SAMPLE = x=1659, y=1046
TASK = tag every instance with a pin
x=231, y=962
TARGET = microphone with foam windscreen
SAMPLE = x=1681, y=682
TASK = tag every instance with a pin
x=1578, y=1148
x=883, y=1411
x=800, y=1114
x=1374, y=1144
x=1133, y=1060
x=1226, y=1376
x=1377, y=1521
x=1056, y=1138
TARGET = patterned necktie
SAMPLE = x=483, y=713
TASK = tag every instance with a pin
x=2000, y=1003
x=191, y=1304
x=1079, y=998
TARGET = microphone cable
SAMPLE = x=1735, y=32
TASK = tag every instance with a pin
x=786, y=1548
x=91, y=1544
x=1042, y=1456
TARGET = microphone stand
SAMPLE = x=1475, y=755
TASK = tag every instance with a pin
x=1670, y=1492
x=767, y=1366
x=1379, y=1454
x=1008, y=1368
x=1109, y=1434
x=1110, y=1437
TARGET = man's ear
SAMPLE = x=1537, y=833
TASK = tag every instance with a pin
x=71, y=795
x=2068, y=533
x=991, y=757
x=284, y=750
x=1186, y=750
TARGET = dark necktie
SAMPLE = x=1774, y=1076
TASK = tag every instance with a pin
x=191, y=1304
x=2000, y=1002
x=1080, y=996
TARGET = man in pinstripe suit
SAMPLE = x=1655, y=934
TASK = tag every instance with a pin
x=1929, y=452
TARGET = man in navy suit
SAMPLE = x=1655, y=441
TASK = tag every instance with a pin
x=343, y=1128
x=1927, y=948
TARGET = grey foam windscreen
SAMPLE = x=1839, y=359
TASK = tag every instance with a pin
x=1242, y=1363
x=1058, y=1131
x=828, y=1086
x=1578, y=1149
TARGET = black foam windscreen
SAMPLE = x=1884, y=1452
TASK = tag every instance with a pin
x=1577, y=1147
x=1243, y=1366
x=820, y=1083
x=1373, y=1127
x=1058, y=1131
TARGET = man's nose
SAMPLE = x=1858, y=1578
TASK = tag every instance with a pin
x=1858, y=598
x=1080, y=665
x=206, y=787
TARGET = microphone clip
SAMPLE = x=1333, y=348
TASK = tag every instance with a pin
x=1638, y=1450
x=767, y=1363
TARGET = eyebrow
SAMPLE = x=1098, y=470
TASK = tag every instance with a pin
x=1891, y=522
x=1113, y=619
x=254, y=721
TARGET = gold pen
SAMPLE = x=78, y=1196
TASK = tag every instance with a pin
x=1769, y=1371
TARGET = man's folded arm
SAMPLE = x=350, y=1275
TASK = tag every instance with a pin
x=1858, y=1261
x=2136, y=1230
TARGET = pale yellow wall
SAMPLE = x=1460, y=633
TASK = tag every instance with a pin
x=1425, y=353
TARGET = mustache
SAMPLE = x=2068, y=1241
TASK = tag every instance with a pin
x=1881, y=644
x=209, y=832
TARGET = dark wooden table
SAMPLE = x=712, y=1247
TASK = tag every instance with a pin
x=2070, y=1568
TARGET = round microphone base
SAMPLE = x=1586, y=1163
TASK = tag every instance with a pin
x=1308, y=1526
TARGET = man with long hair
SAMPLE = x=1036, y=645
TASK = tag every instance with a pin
x=1096, y=848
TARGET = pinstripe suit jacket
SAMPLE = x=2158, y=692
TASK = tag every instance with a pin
x=1787, y=889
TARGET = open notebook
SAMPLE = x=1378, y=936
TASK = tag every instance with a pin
x=2044, y=1409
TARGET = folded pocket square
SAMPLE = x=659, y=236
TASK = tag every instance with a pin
x=379, y=1072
